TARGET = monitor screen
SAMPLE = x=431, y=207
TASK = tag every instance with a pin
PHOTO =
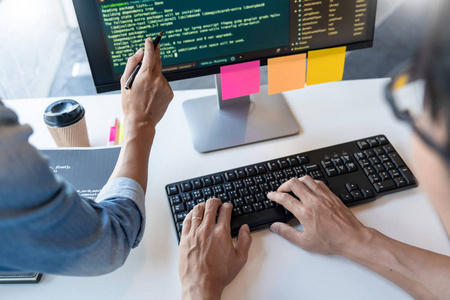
x=200, y=36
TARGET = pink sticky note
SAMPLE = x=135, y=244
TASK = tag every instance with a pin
x=240, y=80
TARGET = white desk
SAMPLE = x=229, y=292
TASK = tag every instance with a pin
x=329, y=114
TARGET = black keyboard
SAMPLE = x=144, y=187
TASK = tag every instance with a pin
x=356, y=172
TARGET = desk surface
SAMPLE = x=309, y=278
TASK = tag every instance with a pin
x=329, y=114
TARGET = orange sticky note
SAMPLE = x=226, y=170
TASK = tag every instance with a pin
x=286, y=73
x=325, y=65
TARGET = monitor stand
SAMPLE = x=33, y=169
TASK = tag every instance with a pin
x=217, y=124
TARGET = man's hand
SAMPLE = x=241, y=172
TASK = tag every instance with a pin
x=147, y=101
x=329, y=227
x=208, y=260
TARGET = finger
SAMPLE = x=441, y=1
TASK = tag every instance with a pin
x=186, y=224
x=225, y=216
x=315, y=187
x=149, y=60
x=197, y=212
x=158, y=63
x=243, y=243
x=287, y=232
x=289, y=202
x=212, y=205
x=131, y=64
x=297, y=187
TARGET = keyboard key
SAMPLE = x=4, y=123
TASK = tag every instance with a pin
x=382, y=140
x=268, y=204
x=238, y=184
x=273, y=166
x=202, y=200
x=395, y=158
x=186, y=186
x=274, y=185
x=207, y=181
x=351, y=187
x=374, y=178
x=407, y=175
x=388, y=165
x=364, y=163
x=367, y=193
x=378, y=151
x=384, y=175
x=374, y=160
x=208, y=192
x=178, y=208
x=260, y=197
x=369, y=153
x=303, y=159
x=279, y=174
x=384, y=158
x=394, y=173
x=345, y=198
x=237, y=212
x=233, y=195
x=269, y=177
x=250, y=171
x=359, y=156
x=293, y=161
x=190, y=205
x=384, y=185
x=244, y=192
x=356, y=195
x=327, y=164
x=248, y=182
x=341, y=169
x=197, y=194
x=223, y=197
x=363, y=145
x=388, y=149
x=379, y=168
x=369, y=171
x=289, y=173
x=260, y=169
x=259, y=180
x=267, y=216
x=316, y=174
x=228, y=187
x=299, y=171
x=247, y=209
x=172, y=190
x=253, y=190
x=218, y=189
x=337, y=162
x=230, y=175
x=197, y=184
x=240, y=173
x=309, y=168
x=346, y=159
x=373, y=142
x=217, y=179
x=180, y=216
x=186, y=197
x=258, y=206
x=239, y=202
x=351, y=167
x=283, y=163
x=264, y=188
x=175, y=200
x=399, y=181
x=331, y=172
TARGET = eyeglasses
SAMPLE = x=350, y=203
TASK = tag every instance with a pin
x=406, y=96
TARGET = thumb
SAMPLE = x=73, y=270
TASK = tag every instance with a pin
x=288, y=233
x=243, y=243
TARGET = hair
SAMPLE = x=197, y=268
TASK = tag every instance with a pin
x=433, y=65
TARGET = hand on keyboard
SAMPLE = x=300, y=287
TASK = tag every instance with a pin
x=208, y=259
x=329, y=227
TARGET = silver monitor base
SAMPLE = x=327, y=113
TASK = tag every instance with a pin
x=250, y=119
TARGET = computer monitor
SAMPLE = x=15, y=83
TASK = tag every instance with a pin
x=203, y=35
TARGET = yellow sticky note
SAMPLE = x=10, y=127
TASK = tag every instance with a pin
x=325, y=65
x=286, y=73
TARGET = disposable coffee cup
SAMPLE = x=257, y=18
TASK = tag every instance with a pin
x=66, y=122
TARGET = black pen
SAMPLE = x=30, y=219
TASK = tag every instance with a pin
x=130, y=80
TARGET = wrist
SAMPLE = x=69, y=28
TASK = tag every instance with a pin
x=360, y=243
x=201, y=292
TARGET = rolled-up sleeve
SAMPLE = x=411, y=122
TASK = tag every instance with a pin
x=46, y=226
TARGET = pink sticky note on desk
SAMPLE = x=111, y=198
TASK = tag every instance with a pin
x=240, y=80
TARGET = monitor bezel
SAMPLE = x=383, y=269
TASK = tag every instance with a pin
x=100, y=64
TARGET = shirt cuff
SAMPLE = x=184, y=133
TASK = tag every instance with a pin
x=123, y=187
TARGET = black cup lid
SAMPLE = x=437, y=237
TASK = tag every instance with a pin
x=63, y=113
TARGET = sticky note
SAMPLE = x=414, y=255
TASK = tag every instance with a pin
x=286, y=73
x=325, y=65
x=240, y=80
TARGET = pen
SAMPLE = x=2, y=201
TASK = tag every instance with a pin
x=130, y=80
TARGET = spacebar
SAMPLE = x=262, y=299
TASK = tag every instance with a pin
x=258, y=220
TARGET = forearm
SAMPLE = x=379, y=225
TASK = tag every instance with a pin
x=134, y=155
x=421, y=273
